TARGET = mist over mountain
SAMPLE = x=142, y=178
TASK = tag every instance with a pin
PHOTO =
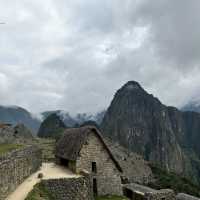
x=192, y=106
x=17, y=115
x=161, y=134
x=78, y=119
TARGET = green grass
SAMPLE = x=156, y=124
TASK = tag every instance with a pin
x=173, y=181
x=4, y=148
x=111, y=198
x=39, y=192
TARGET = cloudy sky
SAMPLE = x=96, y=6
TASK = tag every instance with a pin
x=74, y=54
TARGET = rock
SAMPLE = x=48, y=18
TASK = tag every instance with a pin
x=161, y=134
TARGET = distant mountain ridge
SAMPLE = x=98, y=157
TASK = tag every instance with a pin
x=78, y=119
x=17, y=115
x=51, y=127
x=161, y=134
x=192, y=106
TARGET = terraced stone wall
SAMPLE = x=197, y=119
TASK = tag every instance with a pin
x=70, y=189
x=17, y=165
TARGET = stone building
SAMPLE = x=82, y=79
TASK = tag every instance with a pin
x=83, y=149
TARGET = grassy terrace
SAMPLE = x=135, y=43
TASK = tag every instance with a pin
x=111, y=198
x=4, y=148
x=39, y=193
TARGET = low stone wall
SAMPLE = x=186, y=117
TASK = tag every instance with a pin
x=16, y=166
x=136, y=191
x=70, y=189
x=161, y=194
x=182, y=196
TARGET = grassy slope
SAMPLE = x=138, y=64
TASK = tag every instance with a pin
x=39, y=193
x=173, y=181
x=111, y=198
x=4, y=148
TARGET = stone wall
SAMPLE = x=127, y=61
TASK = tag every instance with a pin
x=107, y=175
x=135, y=168
x=182, y=196
x=165, y=194
x=135, y=191
x=16, y=166
x=70, y=189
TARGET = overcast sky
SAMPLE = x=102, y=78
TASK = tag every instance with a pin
x=74, y=54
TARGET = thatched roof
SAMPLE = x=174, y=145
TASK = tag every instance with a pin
x=70, y=144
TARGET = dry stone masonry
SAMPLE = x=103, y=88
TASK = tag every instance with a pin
x=165, y=194
x=17, y=165
x=182, y=196
x=107, y=175
x=69, y=189
x=84, y=149
x=135, y=191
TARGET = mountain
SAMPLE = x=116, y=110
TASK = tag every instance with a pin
x=52, y=126
x=15, y=115
x=161, y=134
x=77, y=120
x=64, y=116
x=192, y=106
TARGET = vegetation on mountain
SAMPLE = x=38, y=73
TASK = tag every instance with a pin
x=164, y=179
x=51, y=127
x=75, y=120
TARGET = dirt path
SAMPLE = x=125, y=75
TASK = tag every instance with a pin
x=49, y=170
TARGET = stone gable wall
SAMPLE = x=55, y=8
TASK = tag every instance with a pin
x=107, y=175
x=70, y=189
x=16, y=166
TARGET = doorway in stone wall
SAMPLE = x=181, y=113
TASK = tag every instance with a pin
x=95, y=192
x=128, y=193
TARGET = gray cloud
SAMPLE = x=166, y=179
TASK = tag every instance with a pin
x=74, y=55
x=174, y=30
